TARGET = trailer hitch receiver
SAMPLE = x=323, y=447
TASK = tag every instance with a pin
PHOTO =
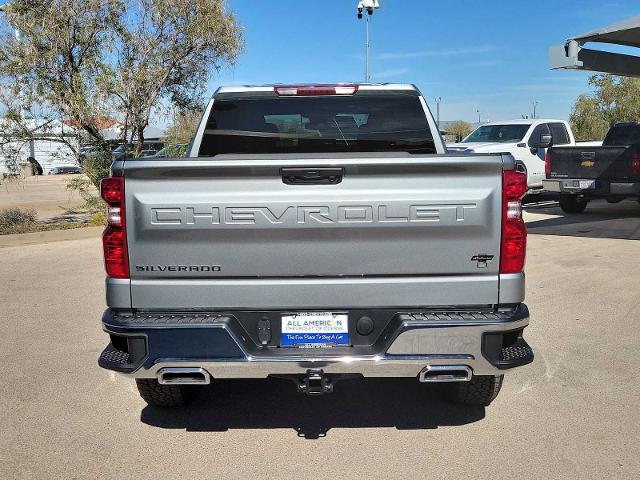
x=315, y=383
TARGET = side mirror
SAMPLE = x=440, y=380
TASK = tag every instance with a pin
x=545, y=141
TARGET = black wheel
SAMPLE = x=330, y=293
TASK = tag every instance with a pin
x=166, y=395
x=572, y=204
x=480, y=390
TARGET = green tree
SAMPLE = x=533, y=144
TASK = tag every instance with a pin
x=166, y=51
x=460, y=129
x=183, y=127
x=85, y=60
x=52, y=67
x=587, y=120
x=614, y=99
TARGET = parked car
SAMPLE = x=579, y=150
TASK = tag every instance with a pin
x=526, y=139
x=285, y=248
x=89, y=150
x=612, y=171
x=148, y=149
x=64, y=169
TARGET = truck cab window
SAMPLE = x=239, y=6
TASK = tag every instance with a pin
x=542, y=129
x=559, y=134
x=358, y=123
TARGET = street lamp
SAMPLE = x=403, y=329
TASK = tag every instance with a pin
x=535, y=105
x=368, y=6
x=438, y=100
x=478, y=112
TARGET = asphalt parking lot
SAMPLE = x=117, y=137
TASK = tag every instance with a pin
x=573, y=413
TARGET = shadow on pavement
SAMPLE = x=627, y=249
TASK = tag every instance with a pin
x=599, y=220
x=404, y=404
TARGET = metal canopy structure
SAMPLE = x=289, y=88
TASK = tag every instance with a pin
x=573, y=56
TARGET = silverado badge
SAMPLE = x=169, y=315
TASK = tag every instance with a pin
x=482, y=259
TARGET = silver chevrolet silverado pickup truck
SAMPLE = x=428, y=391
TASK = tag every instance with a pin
x=315, y=233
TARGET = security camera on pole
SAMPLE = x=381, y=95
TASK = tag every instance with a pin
x=369, y=6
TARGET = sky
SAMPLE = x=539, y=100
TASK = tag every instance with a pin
x=487, y=55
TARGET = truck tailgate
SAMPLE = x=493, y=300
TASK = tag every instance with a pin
x=397, y=230
x=607, y=162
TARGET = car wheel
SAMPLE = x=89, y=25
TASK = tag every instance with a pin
x=572, y=203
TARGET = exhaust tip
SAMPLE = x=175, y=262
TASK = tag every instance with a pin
x=445, y=373
x=183, y=376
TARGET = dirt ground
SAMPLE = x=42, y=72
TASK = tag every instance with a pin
x=47, y=194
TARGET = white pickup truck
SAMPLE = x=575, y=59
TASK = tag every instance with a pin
x=527, y=140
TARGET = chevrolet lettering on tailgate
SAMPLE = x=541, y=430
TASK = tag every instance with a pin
x=302, y=215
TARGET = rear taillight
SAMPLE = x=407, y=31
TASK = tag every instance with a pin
x=513, y=245
x=635, y=165
x=313, y=90
x=114, y=238
x=114, y=243
x=547, y=162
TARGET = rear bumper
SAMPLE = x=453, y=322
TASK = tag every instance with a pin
x=403, y=345
x=602, y=188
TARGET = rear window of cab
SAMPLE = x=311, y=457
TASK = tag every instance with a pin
x=316, y=124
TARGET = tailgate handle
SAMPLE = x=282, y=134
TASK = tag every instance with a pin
x=312, y=176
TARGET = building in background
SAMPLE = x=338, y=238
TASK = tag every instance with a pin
x=51, y=143
x=112, y=130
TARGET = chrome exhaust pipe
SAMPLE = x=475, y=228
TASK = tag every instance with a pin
x=183, y=376
x=445, y=373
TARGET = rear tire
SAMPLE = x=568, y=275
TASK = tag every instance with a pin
x=480, y=390
x=572, y=204
x=159, y=395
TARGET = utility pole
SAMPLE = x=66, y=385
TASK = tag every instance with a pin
x=438, y=100
x=367, y=74
x=535, y=105
x=369, y=6
x=478, y=112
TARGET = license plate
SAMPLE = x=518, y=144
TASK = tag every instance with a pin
x=314, y=329
x=580, y=184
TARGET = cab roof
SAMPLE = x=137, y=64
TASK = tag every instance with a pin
x=271, y=87
x=524, y=121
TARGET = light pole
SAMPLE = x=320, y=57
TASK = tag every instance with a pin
x=478, y=112
x=438, y=100
x=535, y=105
x=369, y=6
